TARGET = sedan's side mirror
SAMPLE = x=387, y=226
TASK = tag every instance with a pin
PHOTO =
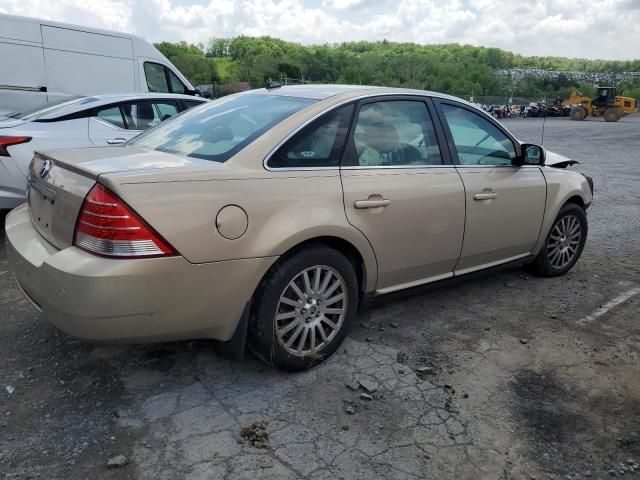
x=530, y=154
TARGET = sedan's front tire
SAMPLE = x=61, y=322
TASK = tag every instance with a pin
x=564, y=243
x=303, y=309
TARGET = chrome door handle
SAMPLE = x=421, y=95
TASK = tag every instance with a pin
x=485, y=196
x=383, y=202
x=116, y=141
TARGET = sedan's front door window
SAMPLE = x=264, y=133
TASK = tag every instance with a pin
x=166, y=110
x=144, y=115
x=395, y=133
x=477, y=140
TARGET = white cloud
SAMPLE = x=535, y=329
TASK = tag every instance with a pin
x=349, y=4
x=584, y=28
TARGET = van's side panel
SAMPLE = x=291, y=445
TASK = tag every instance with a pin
x=22, y=76
x=22, y=70
x=14, y=28
x=71, y=73
x=83, y=63
x=86, y=42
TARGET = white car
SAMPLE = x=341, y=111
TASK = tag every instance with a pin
x=99, y=120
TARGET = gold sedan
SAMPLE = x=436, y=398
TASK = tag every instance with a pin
x=269, y=216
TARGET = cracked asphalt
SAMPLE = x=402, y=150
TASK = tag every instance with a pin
x=506, y=376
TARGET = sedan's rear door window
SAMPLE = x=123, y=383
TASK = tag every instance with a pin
x=144, y=115
x=318, y=145
x=112, y=115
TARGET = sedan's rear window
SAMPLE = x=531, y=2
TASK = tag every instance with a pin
x=222, y=128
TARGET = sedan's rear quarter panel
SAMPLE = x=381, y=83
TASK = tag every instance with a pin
x=283, y=210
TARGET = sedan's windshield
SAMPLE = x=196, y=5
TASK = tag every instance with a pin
x=220, y=129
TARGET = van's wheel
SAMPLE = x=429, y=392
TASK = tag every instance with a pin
x=303, y=308
x=578, y=113
x=564, y=243
x=612, y=114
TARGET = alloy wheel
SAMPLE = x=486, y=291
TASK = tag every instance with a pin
x=564, y=241
x=311, y=310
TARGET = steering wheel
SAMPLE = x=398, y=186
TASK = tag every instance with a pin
x=405, y=154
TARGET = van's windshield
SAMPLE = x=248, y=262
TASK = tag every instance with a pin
x=218, y=130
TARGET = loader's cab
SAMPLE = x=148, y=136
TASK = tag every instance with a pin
x=605, y=96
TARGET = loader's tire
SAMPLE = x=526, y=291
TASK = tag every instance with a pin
x=578, y=113
x=612, y=114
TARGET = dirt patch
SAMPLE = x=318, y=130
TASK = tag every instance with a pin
x=256, y=434
x=571, y=429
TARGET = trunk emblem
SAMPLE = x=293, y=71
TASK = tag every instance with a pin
x=44, y=169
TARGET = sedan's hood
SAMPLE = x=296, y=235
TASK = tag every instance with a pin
x=553, y=159
x=92, y=162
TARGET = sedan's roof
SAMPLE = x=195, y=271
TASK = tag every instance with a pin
x=322, y=92
x=315, y=92
x=77, y=104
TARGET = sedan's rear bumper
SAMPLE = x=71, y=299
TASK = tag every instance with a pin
x=101, y=299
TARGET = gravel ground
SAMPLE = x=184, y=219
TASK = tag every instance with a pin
x=507, y=376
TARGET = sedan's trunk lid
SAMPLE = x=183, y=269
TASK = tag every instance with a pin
x=59, y=181
x=92, y=162
x=55, y=195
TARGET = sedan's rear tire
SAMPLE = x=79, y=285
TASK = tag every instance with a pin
x=564, y=243
x=303, y=309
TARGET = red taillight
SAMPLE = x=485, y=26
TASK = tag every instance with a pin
x=8, y=141
x=109, y=227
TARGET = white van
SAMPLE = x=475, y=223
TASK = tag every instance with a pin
x=42, y=61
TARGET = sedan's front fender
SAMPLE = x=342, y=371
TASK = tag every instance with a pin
x=562, y=186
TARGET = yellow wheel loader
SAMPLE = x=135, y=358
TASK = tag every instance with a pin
x=607, y=105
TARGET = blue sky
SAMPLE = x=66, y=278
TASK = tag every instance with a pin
x=576, y=28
